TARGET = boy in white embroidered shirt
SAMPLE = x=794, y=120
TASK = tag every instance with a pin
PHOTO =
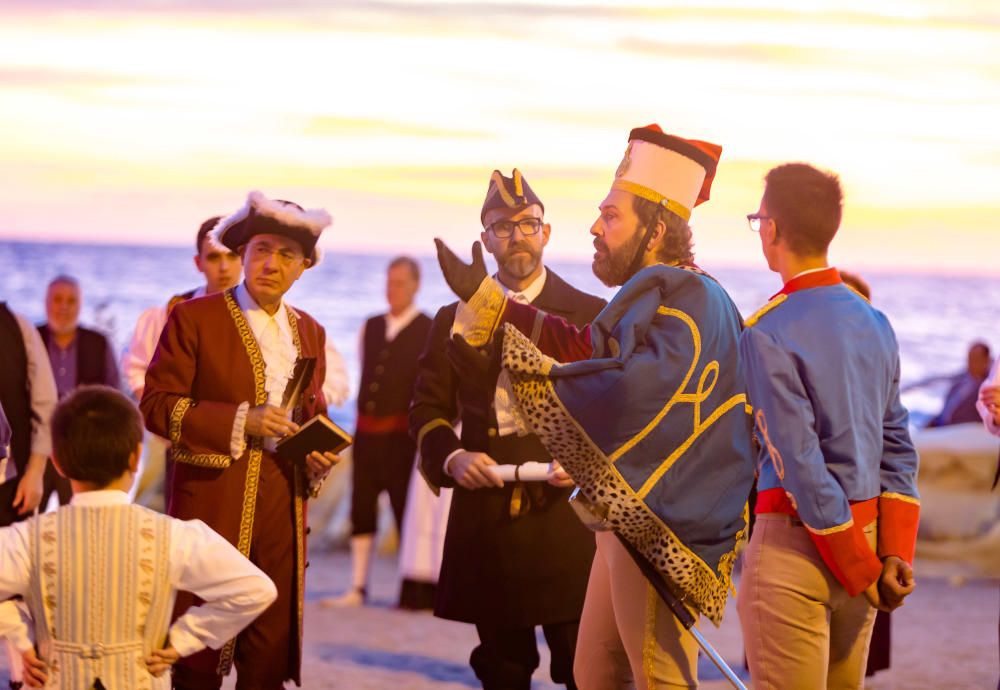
x=99, y=576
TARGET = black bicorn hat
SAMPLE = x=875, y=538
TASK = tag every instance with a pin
x=512, y=192
x=261, y=215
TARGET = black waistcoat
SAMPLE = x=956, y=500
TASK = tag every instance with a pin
x=91, y=354
x=14, y=394
x=389, y=369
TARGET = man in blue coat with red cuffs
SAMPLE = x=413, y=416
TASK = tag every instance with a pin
x=837, y=507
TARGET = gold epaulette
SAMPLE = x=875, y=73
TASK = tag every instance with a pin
x=766, y=308
x=857, y=292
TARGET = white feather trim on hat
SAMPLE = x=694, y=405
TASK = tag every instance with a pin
x=314, y=220
x=213, y=241
x=316, y=257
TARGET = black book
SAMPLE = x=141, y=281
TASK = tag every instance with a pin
x=319, y=433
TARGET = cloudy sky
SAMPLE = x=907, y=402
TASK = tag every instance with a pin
x=132, y=121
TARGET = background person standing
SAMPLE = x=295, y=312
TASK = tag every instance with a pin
x=78, y=355
x=383, y=450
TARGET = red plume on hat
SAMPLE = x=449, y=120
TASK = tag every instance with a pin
x=712, y=150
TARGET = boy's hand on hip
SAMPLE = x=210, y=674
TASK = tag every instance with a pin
x=161, y=660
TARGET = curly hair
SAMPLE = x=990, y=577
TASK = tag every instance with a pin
x=675, y=246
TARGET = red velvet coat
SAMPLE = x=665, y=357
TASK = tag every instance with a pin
x=206, y=364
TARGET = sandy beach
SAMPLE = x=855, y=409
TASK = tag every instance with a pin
x=944, y=638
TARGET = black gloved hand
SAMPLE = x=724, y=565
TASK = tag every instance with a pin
x=463, y=279
x=476, y=367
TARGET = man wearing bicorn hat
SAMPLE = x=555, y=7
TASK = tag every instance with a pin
x=649, y=417
x=515, y=556
x=214, y=388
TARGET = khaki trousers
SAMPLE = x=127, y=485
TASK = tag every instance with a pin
x=628, y=637
x=800, y=627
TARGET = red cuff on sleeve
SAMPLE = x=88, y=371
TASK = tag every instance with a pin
x=849, y=557
x=899, y=517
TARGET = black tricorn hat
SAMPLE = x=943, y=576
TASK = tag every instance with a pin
x=261, y=215
x=509, y=192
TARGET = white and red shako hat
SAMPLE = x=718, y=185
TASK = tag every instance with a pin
x=667, y=170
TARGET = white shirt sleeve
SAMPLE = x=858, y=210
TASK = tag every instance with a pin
x=233, y=590
x=42, y=385
x=336, y=387
x=15, y=560
x=139, y=353
x=988, y=417
x=16, y=625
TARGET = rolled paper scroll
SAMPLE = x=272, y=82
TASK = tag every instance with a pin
x=527, y=472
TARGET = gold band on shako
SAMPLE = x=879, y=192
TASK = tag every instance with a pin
x=667, y=170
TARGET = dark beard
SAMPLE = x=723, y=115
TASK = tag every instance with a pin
x=614, y=268
x=520, y=267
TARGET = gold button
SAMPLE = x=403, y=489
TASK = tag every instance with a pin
x=369, y=406
x=491, y=432
x=373, y=388
x=379, y=369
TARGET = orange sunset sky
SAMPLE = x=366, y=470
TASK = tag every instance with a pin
x=132, y=121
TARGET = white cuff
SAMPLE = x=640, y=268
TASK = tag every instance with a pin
x=238, y=440
x=448, y=459
x=182, y=640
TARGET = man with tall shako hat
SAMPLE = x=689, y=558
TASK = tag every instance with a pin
x=214, y=388
x=515, y=556
x=649, y=417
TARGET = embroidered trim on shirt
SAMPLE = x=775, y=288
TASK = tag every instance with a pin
x=649, y=642
x=251, y=346
x=900, y=497
x=752, y=321
x=703, y=391
x=300, y=551
x=830, y=530
x=176, y=417
x=179, y=453
x=477, y=320
x=429, y=427
x=628, y=514
x=256, y=451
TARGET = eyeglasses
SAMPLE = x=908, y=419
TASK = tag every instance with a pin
x=754, y=219
x=505, y=228
x=260, y=252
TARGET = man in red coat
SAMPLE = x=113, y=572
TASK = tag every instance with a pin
x=215, y=389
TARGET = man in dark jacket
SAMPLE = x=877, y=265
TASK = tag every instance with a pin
x=78, y=355
x=515, y=554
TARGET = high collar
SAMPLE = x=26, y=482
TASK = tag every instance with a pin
x=103, y=497
x=256, y=316
x=813, y=278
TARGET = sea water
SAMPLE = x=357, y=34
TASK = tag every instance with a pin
x=936, y=317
